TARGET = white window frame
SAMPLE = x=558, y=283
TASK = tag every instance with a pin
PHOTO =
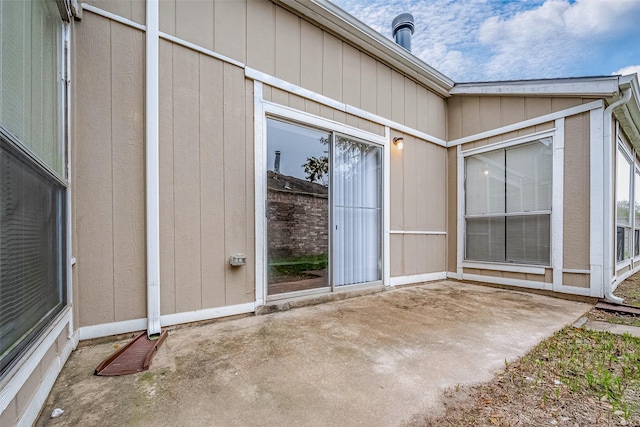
x=266, y=109
x=557, y=213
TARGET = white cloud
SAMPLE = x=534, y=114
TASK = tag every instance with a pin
x=544, y=41
x=628, y=70
x=472, y=40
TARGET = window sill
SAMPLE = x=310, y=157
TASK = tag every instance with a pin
x=514, y=268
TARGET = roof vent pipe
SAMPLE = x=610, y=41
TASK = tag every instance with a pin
x=402, y=28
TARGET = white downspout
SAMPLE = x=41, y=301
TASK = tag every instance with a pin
x=152, y=119
x=609, y=209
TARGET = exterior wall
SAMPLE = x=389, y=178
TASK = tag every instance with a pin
x=576, y=199
x=108, y=167
x=469, y=115
x=418, y=205
x=206, y=181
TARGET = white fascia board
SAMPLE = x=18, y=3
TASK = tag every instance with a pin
x=359, y=34
x=599, y=87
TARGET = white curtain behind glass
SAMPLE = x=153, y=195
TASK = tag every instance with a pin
x=357, y=189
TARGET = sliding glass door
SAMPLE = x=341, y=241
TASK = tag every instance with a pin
x=357, y=206
x=319, y=181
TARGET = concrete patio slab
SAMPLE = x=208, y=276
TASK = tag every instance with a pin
x=376, y=360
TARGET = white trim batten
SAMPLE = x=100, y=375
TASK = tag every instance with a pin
x=460, y=239
x=418, y=278
x=509, y=142
x=596, y=195
x=200, y=49
x=557, y=203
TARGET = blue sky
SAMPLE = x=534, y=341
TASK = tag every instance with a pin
x=482, y=40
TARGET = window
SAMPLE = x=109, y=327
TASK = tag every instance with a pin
x=623, y=205
x=508, y=204
x=32, y=175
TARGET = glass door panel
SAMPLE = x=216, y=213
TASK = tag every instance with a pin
x=297, y=207
x=357, y=218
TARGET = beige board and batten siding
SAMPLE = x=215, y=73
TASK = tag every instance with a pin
x=273, y=40
x=469, y=115
x=206, y=181
x=108, y=168
x=576, y=200
x=206, y=176
x=418, y=203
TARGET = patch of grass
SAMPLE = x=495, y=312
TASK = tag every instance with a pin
x=629, y=290
x=575, y=377
x=288, y=266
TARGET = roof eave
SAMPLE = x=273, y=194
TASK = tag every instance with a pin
x=362, y=36
x=590, y=87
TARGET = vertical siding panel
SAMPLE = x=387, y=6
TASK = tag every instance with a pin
x=512, y=110
x=331, y=66
x=535, y=107
x=425, y=202
x=287, y=46
x=437, y=183
x=138, y=11
x=212, y=183
x=383, y=90
x=194, y=22
x=312, y=107
x=261, y=36
x=437, y=116
x=576, y=192
x=397, y=97
x=94, y=202
x=168, y=16
x=311, y=62
x=422, y=110
x=558, y=104
x=186, y=157
x=471, y=115
x=410, y=171
x=424, y=259
x=410, y=255
x=410, y=118
x=234, y=182
x=127, y=129
x=167, y=205
x=490, y=112
x=350, y=75
x=455, y=118
x=397, y=187
x=368, y=83
x=396, y=246
x=230, y=30
x=296, y=102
